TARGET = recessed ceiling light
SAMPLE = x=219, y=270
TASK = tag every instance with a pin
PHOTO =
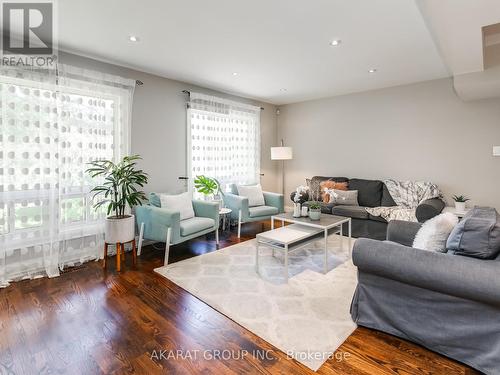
x=235, y=74
x=335, y=42
x=372, y=71
x=133, y=38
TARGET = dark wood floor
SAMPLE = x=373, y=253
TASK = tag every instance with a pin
x=91, y=321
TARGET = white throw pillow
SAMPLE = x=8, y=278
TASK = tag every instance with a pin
x=433, y=234
x=253, y=193
x=180, y=202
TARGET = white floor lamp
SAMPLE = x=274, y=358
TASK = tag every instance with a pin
x=282, y=153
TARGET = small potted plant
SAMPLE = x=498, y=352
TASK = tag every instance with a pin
x=314, y=210
x=208, y=186
x=119, y=190
x=460, y=201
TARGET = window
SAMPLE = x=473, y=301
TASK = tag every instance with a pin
x=223, y=140
x=51, y=127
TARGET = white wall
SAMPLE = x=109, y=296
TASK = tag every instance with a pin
x=159, y=126
x=415, y=132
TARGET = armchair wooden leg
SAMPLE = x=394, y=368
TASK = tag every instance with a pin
x=141, y=234
x=167, y=246
x=239, y=223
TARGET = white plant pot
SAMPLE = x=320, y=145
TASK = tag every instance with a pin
x=314, y=214
x=460, y=207
x=119, y=230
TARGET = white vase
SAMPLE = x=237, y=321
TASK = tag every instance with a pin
x=119, y=230
x=296, y=210
x=460, y=207
x=304, y=211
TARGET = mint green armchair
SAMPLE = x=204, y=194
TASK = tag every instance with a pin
x=164, y=225
x=274, y=204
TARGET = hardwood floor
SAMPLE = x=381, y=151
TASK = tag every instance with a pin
x=91, y=321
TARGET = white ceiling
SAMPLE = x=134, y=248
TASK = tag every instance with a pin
x=457, y=28
x=272, y=45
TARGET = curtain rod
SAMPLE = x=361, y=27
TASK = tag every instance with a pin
x=189, y=93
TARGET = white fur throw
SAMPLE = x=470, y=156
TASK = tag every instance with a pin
x=433, y=234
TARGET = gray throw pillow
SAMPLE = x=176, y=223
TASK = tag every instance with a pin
x=344, y=197
x=477, y=235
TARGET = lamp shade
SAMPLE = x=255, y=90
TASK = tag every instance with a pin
x=281, y=153
x=496, y=150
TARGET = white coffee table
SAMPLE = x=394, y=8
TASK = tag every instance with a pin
x=328, y=223
x=301, y=232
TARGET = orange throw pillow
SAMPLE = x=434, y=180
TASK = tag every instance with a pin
x=330, y=185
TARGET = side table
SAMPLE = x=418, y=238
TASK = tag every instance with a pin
x=224, y=212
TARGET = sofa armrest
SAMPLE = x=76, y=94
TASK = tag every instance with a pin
x=236, y=203
x=428, y=209
x=275, y=200
x=156, y=222
x=207, y=209
x=455, y=275
x=402, y=232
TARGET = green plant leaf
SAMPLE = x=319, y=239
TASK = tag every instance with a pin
x=120, y=183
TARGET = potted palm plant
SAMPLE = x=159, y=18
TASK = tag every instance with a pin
x=208, y=186
x=460, y=202
x=120, y=190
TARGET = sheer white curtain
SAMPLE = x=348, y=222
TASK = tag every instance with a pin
x=51, y=124
x=223, y=139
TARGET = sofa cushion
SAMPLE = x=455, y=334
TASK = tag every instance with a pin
x=262, y=211
x=314, y=185
x=179, y=202
x=477, y=235
x=344, y=198
x=369, y=191
x=233, y=189
x=387, y=200
x=355, y=212
x=253, y=193
x=377, y=218
x=327, y=185
x=195, y=224
x=154, y=200
x=433, y=234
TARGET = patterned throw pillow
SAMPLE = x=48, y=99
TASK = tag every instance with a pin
x=343, y=197
x=327, y=186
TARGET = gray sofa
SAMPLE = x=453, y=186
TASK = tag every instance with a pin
x=371, y=193
x=447, y=303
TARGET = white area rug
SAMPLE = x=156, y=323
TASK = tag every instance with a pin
x=308, y=318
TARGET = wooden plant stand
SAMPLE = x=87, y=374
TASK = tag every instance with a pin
x=120, y=250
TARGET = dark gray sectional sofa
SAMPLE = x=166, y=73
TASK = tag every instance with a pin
x=371, y=193
x=447, y=303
